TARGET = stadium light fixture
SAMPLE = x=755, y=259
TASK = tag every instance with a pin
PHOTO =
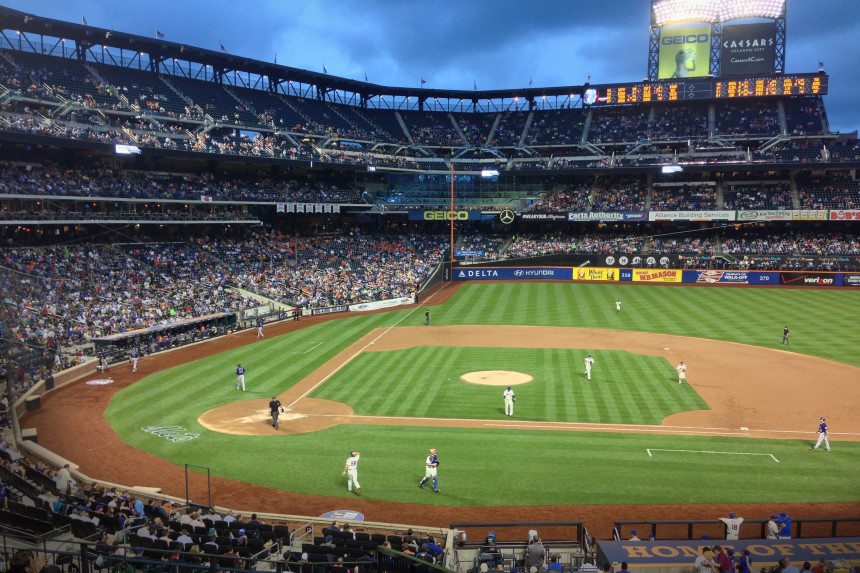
x=676, y=11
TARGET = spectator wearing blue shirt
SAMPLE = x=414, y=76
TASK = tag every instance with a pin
x=138, y=507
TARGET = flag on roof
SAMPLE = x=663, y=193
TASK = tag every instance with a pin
x=83, y=19
x=423, y=81
x=223, y=49
x=325, y=71
x=158, y=34
x=365, y=77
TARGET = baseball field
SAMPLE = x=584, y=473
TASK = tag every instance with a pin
x=738, y=431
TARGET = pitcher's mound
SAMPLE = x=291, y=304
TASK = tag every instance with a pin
x=496, y=378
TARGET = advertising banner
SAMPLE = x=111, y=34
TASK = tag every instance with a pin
x=762, y=551
x=513, y=273
x=609, y=216
x=810, y=279
x=543, y=216
x=595, y=274
x=845, y=215
x=469, y=253
x=691, y=215
x=657, y=275
x=851, y=279
x=387, y=303
x=684, y=52
x=748, y=49
x=444, y=215
x=735, y=277
x=764, y=215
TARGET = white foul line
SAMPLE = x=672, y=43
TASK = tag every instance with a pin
x=309, y=349
x=649, y=450
x=348, y=360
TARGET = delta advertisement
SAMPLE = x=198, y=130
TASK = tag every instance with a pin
x=684, y=52
x=748, y=49
x=595, y=274
x=513, y=273
x=657, y=275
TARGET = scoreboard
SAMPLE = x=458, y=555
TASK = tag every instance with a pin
x=689, y=89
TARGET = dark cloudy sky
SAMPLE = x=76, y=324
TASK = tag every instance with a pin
x=494, y=43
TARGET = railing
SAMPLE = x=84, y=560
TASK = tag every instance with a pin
x=751, y=528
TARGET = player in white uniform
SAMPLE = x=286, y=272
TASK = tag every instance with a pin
x=733, y=525
x=682, y=372
x=589, y=362
x=773, y=527
x=510, y=398
x=240, y=377
x=431, y=464
x=822, y=436
x=618, y=305
x=351, y=468
x=133, y=357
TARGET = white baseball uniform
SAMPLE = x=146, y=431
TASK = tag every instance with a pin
x=682, y=372
x=733, y=526
x=351, y=470
x=509, y=402
x=618, y=306
x=589, y=362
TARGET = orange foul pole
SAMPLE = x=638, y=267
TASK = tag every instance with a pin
x=451, y=213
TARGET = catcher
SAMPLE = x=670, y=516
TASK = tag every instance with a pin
x=510, y=398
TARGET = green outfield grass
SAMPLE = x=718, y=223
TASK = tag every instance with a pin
x=501, y=467
x=425, y=382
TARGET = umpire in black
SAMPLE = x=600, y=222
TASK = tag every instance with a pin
x=276, y=408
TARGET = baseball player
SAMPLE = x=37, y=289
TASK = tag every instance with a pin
x=133, y=356
x=240, y=377
x=510, y=398
x=589, y=362
x=822, y=435
x=351, y=468
x=682, y=372
x=431, y=463
x=427, y=317
x=733, y=525
x=103, y=363
x=276, y=408
x=785, y=335
x=259, y=328
x=618, y=305
x=773, y=527
x=784, y=523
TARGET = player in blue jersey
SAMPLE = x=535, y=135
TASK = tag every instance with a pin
x=133, y=356
x=431, y=464
x=259, y=328
x=822, y=435
x=784, y=523
x=240, y=377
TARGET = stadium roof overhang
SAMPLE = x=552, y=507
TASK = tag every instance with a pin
x=159, y=50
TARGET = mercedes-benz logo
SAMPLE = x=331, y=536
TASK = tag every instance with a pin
x=506, y=216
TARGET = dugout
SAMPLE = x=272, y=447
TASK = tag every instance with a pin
x=164, y=336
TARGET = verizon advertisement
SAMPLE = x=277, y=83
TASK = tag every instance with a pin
x=810, y=279
x=748, y=49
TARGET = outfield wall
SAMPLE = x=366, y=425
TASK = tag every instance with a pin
x=658, y=275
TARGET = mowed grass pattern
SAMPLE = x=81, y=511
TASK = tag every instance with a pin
x=551, y=467
x=425, y=382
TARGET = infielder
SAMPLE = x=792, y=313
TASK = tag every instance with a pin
x=618, y=305
x=351, y=468
x=589, y=362
x=785, y=336
x=510, y=398
x=260, y=328
x=682, y=372
x=103, y=363
x=133, y=356
x=822, y=436
x=431, y=463
x=240, y=377
x=276, y=408
x=733, y=525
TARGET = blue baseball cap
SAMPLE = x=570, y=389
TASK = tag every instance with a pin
x=241, y=532
x=731, y=515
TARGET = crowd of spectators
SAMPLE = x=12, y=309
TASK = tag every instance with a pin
x=803, y=243
x=742, y=119
x=687, y=197
x=572, y=198
x=770, y=195
x=558, y=243
x=830, y=193
x=621, y=195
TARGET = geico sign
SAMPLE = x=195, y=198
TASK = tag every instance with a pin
x=688, y=39
x=446, y=215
